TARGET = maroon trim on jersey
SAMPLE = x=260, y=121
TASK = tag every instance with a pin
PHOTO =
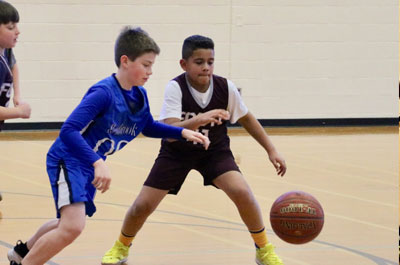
x=219, y=100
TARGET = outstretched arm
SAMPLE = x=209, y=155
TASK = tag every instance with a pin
x=201, y=119
x=23, y=110
x=162, y=130
x=254, y=128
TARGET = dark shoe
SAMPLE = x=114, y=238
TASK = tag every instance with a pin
x=17, y=253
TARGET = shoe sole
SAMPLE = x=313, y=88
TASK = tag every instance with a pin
x=119, y=262
x=13, y=256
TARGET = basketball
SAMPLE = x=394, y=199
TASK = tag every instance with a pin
x=297, y=217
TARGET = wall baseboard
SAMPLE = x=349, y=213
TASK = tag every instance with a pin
x=327, y=122
x=21, y=126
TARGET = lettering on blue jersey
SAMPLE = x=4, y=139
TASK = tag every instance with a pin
x=112, y=148
x=122, y=129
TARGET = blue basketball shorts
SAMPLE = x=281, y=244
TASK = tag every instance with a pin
x=71, y=182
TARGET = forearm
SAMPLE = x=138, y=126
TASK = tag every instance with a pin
x=15, y=72
x=254, y=128
x=77, y=145
x=161, y=130
x=9, y=113
x=191, y=124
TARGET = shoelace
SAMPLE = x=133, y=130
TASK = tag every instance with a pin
x=272, y=257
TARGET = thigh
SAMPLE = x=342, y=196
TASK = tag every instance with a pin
x=231, y=182
x=150, y=196
x=216, y=164
x=168, y=173
x=73, y=215
x=71, y=183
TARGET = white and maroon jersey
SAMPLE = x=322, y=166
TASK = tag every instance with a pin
x=184, y=102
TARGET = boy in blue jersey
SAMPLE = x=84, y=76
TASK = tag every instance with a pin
x=200, y=100
x=9, y=32
x=112, y=113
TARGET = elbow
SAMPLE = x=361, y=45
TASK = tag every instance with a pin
x=65, y=132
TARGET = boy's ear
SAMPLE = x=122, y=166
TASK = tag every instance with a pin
x=182, y=62
x=123, y=60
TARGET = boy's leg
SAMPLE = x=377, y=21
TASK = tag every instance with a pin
x=20, y=250
x=144, y=205
x=237, y=189
x=71, y=224
x=46, y=227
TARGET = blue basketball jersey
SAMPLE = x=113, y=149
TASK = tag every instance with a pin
x=112, y=128
x=110, y=132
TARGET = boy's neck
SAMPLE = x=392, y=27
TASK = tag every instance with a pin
x=201, y=89
x=2, y=51
x=123, y=82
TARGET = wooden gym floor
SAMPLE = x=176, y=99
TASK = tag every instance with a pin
x=353, y=172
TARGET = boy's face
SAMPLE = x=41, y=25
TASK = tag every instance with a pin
x=8, y=35
x=139, y=70
x=199, y=68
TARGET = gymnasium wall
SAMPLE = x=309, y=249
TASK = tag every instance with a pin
x=293, y=59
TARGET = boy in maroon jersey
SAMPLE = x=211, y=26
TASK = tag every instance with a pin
x=200, y=100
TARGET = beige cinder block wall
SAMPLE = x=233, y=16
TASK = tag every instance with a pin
x=293, y=59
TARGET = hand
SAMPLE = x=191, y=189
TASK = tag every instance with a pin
x=24, y=110
x=102, y=177
x=196, y=137
x=279, y=163
x=16, y=100
x=216, y=116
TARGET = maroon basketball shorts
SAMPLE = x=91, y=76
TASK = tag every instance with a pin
x=170, y=168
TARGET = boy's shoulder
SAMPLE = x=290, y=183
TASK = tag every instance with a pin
x=105, y=86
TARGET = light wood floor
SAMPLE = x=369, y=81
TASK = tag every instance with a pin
x=353, y=172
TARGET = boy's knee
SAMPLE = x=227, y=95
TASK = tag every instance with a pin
x=242, y=194
x=72, y=231
x=141, y=209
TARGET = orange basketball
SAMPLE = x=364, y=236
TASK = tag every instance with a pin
x=297, y=217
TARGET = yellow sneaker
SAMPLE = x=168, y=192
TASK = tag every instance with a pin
x=267, y=256
x=117, y=255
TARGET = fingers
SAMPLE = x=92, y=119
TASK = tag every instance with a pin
x=215, y=116
x=102, y=177
x=206, y=143
x=199, y=138
x=222, y=115
x=101, y=183
x=280, y=167
x=25, y=110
